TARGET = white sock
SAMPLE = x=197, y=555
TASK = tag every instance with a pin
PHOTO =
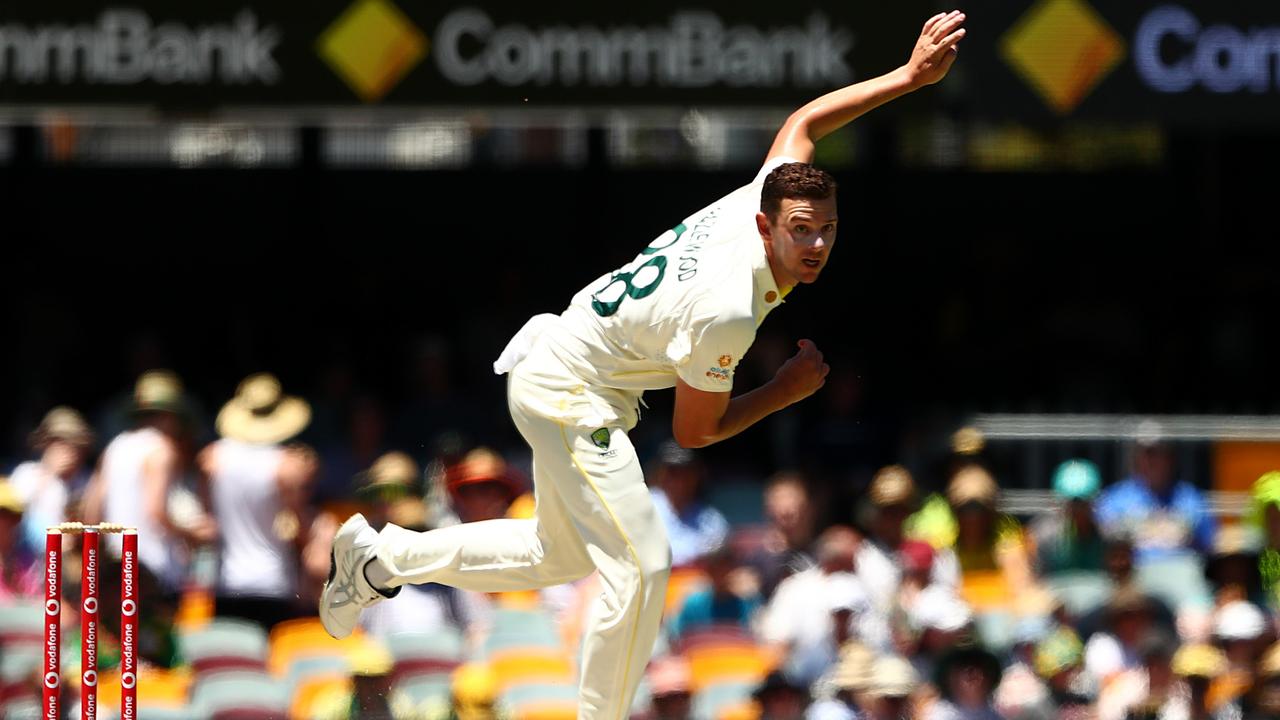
x=378, y=576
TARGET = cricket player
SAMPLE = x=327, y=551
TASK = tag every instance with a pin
x=681, y=314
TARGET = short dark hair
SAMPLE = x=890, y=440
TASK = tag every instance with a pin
x=794, y=180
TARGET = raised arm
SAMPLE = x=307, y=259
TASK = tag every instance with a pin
x=934, y=53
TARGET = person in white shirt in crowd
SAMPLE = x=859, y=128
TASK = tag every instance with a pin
x=259, y=488
x=1130, y=617
x=799, y=618
x=49, y=484
x=141, y=475
x=786, y=545
x=939, y=621
x=391, y=491
x=892, y=498
x=693, y=527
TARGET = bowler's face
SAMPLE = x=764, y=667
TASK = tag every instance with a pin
x=798, y=242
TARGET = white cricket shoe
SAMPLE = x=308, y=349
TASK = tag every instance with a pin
x=347, y=592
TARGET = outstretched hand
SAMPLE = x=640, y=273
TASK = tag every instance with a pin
x=936, y=49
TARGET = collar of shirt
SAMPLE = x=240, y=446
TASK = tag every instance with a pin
x=767, y=296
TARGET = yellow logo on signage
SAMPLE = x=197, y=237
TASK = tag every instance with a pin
x=372, y=46
x=1063, y=49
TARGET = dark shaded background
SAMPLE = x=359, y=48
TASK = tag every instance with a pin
x=950, y=291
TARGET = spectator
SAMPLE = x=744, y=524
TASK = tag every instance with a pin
x=839, y=695
x=1264, y=516
x=1241, y=631
x=1197, y=666
x=368, y=699
x=889, y=695
x=1150, y=688
x=892, y=495
x=940, y=621
x=364, y=443
x=1070, y=540
x=20, y=566
x=137, y=474
x=475, y=694
x=1130, y=616
x=693, y=527
x=1059, y=661
x=787, y=540
x=989, y=546
x=1233, y=567
x=798, y=619
x=391, y=491
x=670, y=689
x=258, y=489
x=718, y=604
x=1263, y=701
x=781, y=698
x=966, y=677
x=1166, y=516
x=47, y=485
x=389, y=487
x=482, y=486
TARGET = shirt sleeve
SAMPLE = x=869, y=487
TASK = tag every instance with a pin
x=717, y=348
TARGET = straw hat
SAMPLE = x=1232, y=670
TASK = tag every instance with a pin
x=1269, y=665
x=483, y=465
x=892, y=677
x=62, y=423
x=968, y=441
x=10, y=500
x=892, y=485
x=261, y=413
x=392, y=475
x=158, y=391
x=855, y=667
x=972, y=484
x=1199, y=660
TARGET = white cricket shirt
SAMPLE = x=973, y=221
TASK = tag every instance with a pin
x=688, y=306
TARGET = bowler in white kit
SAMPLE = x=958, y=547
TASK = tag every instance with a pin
x=681, y=314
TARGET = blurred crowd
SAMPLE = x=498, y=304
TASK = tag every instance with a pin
x=1123, y=598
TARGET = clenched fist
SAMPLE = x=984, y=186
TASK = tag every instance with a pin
x=802, y=374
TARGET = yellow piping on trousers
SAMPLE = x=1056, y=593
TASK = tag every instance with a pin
x=635, y=626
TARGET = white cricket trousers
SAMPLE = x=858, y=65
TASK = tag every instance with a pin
x=593, y=511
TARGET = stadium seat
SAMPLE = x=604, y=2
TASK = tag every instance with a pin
x=728, y=663
x=531, y=665
x=442, y=644
x=421, y=695
x=158, y=689
x=304, y=637
x=1080, y=592
x=542, y=701
x=224, y=644
x=711, y=701
x=311, y=695
x=1177, y=581
x=683, y=580
x=240, y=691
x=21, y=622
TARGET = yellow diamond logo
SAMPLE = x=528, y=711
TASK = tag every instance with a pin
x=1063, y=49
x=372, y=46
